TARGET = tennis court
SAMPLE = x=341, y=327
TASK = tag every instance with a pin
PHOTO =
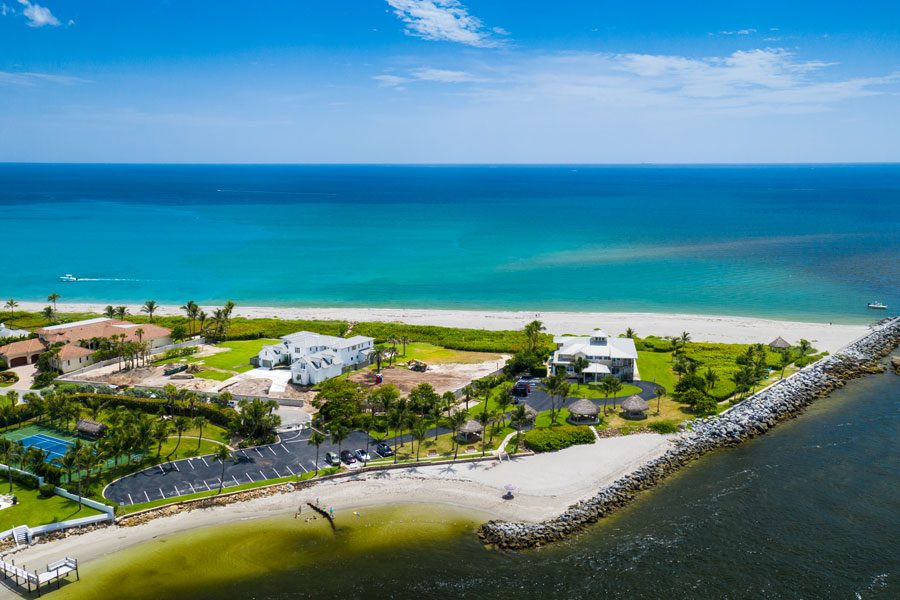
x=54, y=447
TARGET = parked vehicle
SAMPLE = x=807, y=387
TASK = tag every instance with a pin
x=361, y=455
x=348, y=457
x=520, y=389
x=383, y=449
x=332, y=459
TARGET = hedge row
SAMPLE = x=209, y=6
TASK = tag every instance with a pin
x=214, y=414
x=557, y=438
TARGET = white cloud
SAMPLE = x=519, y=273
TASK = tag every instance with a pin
x=760, y=81
x=442, y=20
x=38, y=15
x=29, y=79
x=5, y=10
x=738, y=32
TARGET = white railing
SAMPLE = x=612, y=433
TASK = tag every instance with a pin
x=81, y=522
x=109, y=510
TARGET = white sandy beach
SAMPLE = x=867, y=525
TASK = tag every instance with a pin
x=546, y=485
x=705, y=328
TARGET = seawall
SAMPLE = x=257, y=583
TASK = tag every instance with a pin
x=755, y=416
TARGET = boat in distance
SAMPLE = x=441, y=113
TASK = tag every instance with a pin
x=878, y=305
x=68, y=277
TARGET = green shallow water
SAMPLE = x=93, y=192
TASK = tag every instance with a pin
x=811, y=510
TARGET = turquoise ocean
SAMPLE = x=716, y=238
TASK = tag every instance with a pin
x=811, y=242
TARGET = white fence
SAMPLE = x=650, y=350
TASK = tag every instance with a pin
x=109, y=510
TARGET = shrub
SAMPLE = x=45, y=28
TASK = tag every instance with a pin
x=3, y=365
x=44, y=379
x=693, y=397
x=707, y=406
x=663, y=427
x=8, y=377
x=46, y=490
x=215, y=415
x=557, y=438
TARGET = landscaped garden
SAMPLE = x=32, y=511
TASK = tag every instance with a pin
x=32, y=509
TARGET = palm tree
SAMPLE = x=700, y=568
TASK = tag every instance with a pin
x=436, y=412
x=804, y=347
x=190, y=310
x=606, y=385
x=53, y=298
x=579, y=365
x=201, y=317
x=221, y=454
x=11, y=306
x=520, y=419
x=395, y=421
x=457, y=420
x=684, y=339
x=615, y=386
x=419, y=433
x=711, y=378
x=121, y=312
x=9, y=453
x=67, y=461
x=503, y=402
x=484, y=418
x=533, y=333
x=109, y=311
x=786, y=359
x=629, y=333
x=468, y=391
x=316, y=439
x=338, y=433
x=160, y=435
x=180, y=424
x=378, y=353
x=48, y=313
x=149, y=307
x=199, y=423
x=404, y=341
x=659, y=394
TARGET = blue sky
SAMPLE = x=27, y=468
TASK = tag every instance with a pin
x=468, y=81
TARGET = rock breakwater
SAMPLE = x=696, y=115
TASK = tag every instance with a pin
x=750, y=418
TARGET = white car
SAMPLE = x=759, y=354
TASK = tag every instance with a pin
x=362, y=455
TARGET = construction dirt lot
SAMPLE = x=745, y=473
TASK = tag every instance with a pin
x=443, y=377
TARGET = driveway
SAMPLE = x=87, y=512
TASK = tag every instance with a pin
x=540, y=399
x=26, y=375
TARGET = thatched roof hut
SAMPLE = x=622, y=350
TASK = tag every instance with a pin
x=583, y=411
x=779, y=343
x=635, y=407
x=90, y=428
x=470, y=428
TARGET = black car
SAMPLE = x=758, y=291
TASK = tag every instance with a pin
x=383, y=449
x=348, y=457
x=520, y=389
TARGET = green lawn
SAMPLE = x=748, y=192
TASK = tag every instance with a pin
x=435, y=355
x=237, y=357
x=216, y=375
x=657, y=367
x=581, y=390
x=32, y=510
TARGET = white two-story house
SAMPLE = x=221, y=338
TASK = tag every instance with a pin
x=314, y=357
x=607, y=356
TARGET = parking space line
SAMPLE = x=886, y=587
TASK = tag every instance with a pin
x=161, y=470
x=302, y=467
x=207, y=485
x=204, y=461
x=257, y=451
x=235, y=480
x=190, y=463
x=272, y=449
x=248, y=477
x=290, y=470
x=285, y=447
x=176, y=467
x=314, y=465
x=261, y=474
x=161, y=492
x=146, y=496
x=130, y=501
x=193, y=491
x=277, y=474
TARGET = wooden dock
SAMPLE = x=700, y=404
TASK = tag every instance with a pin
x=55, y=571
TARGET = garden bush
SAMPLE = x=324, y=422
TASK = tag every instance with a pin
x=44, y=379
x=663, y=427
x=8, y=377
x=557, y=438
x=46, y=490
x=215, y=415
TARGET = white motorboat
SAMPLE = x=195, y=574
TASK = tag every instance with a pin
x=68, y=277
x=877, y=305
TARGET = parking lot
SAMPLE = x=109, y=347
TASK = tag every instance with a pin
x=291, y=456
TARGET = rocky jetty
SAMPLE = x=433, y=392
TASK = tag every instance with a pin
x=750, y=418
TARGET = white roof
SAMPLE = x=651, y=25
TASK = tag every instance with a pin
x=597, y=368
x=614, y=348
x=77, y=323
x=308, y=338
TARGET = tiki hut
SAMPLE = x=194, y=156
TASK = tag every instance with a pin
x=635, y=407
x=90, y=428
x=583, y=411
x=779, y=344
x=471, y=429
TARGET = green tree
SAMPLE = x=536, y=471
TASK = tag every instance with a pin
x=109, y=311
x=660, y=392
x=693, y=397
x=180, y=424
x=121, y=312
x=11, y=307
x=456, y=420
x=316, y=439
x=200, y=423
x=9, y=453
x=520, y=418
x=419, y=433
x=160, y=434
x=711, y=378
x=706, y=406
x=338, y=433
x=533, y=333
x=221, y=454
x=787, y=357
x=610, y=385
x=629, y=333
x=803, y=348
x=52, y=298
x=48, y=313
x=149, y=307
x=579, y=365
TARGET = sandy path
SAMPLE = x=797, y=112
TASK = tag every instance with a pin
x=704, y=328
x=546, y=485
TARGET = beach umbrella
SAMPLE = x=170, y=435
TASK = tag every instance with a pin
x=509, y=487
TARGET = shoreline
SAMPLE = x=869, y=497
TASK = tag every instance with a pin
x=703, y=328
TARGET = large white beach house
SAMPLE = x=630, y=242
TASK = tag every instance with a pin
x=314, y=357
x=607, y=356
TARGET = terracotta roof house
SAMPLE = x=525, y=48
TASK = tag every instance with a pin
x=71, y=357
x=25, y=352
x=90, y=428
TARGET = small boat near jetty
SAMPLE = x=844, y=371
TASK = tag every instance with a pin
x=878, y=305
x=68, y=277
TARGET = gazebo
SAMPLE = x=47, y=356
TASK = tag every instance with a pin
x=779, y=344
x=470, y=429
x=583, y=412
x=635, y=407
x=90, y=428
